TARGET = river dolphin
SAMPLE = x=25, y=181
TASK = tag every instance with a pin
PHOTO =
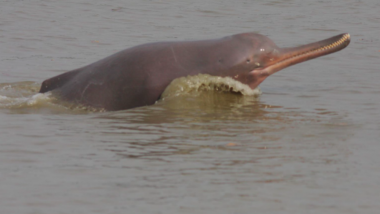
x=137, y=76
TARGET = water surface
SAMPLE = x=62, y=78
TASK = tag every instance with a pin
x=308, y=144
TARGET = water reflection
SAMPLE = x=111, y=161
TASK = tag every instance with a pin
x=215, y=131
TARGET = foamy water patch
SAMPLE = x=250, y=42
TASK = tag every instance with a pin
x=205, y=82
x=19, y=102
x=38, y=98
x=23, y=94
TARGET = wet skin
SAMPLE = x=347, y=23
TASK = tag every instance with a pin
x=137, y=76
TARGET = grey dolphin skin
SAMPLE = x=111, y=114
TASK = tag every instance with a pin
x=137, y=76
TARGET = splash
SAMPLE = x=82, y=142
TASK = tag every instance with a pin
x=205, y=82
x=19, y=102
x=22, y=94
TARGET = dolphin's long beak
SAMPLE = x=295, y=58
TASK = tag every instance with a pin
x=291, y=56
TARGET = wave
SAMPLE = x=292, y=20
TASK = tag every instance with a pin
x=205, y=82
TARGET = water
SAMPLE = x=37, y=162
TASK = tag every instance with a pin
x=308, y=144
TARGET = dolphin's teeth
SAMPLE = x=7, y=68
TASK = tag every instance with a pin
x=343, y=39
x=333, y=45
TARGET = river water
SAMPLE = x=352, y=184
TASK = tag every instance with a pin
x=308, y=144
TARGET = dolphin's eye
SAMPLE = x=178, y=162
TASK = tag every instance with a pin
x=248, y=60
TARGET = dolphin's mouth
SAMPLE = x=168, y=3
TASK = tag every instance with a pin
x=291, y=56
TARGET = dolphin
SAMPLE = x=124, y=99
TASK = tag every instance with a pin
x=137, y=76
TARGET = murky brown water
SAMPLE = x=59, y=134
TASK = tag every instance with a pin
x=308, y=144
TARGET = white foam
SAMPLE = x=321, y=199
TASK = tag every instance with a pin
x=3, y=98
x=38, y=98
x=17, y=102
